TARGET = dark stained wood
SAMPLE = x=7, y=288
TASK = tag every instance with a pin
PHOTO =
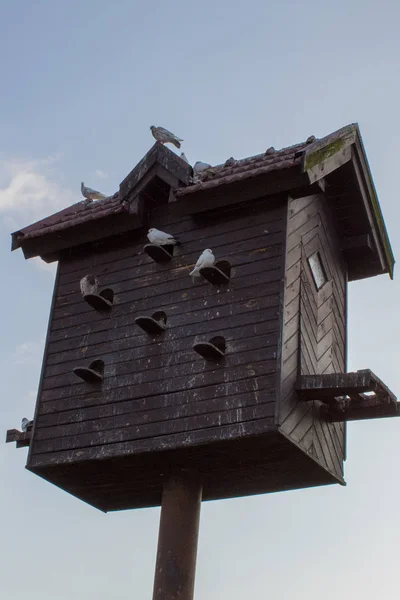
x=314, y=328
x=349, y=396
x=53, y=243
x=22, y=438
x=241, y=466
x=178, y=536
x=159, y=394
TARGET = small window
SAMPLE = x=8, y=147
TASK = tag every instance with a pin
x=317, y=270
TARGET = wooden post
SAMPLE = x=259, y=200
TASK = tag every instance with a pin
x=177, y=539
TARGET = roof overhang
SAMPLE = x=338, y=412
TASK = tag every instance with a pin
x=147, y=185
x=335, y=165
x=341, y=162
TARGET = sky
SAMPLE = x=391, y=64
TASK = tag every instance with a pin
x=82, y=81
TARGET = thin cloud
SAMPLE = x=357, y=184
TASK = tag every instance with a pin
x=101, y=174
x=29, y=191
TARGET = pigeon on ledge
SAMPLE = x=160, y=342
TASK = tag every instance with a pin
x=184, y=157
x=206, y=259
x=164, y=136
x=160, y=238
x=25, y=424
x=90, y=194
x=89, y=285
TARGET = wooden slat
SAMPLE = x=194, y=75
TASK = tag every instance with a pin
x=176, y=440
x=79, y=396
x=262, y=386
x=322, y=313
x=130, y=348
x=151, y=430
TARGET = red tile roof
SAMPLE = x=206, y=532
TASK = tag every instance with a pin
x=271, y=160
x=78, y=213
x=83, y=212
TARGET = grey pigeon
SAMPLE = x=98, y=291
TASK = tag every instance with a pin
x=90, y=194
x=25, y=423
x=160, y=238
x=199, y=167
x=89, y=285
x=229, y=162
x=184, y=157
x=206, y=259
x=164, y=136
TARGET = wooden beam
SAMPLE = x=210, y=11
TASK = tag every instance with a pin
x=22, y=438
x=349, y=396
x=177, y=540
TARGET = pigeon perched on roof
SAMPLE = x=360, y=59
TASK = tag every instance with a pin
x=206, y=259
x=89, y=285
x=164, y=136
x=229, y=162
x=160, y=238
x=25, y=424
x=90, y=194
x=199, y=167
x=184, y=157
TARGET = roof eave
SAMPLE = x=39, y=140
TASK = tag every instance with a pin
x=326, y=155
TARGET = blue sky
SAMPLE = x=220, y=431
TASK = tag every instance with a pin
x=81, y=84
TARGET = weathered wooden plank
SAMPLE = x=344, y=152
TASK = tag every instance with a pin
x=125, y=346
x=157, y=367
x=229, y=246
x=249, y=296
x=263, y=385
x=176, y=317
x=152, y=430
x=157, y=415
x=164, y=442
x=239, y=251
x=172, y=353
x=79, y=396
x=172, y=333
x=208, y=307
x=322, y=386
x=241, y=277
x=125, y=374
x=329, y=461
x=318, y=309
x=187, y=228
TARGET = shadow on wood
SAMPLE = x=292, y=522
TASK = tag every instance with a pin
x=211, y=350
x=155, y=324
x=101, y=302
x=91, y=374
x=159, y=254
x=219, y=274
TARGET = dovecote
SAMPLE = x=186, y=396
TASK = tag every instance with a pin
x=232, y=376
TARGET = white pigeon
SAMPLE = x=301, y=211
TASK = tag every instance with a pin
x=206, y=259
x=184, y=157
x=90, y=194
x=164, y=136
x=89, y=285
x=25, y=423
x=160, y=238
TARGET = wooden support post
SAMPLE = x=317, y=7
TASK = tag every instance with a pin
x=177, y=539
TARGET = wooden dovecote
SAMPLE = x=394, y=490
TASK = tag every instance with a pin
x=293, y=227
